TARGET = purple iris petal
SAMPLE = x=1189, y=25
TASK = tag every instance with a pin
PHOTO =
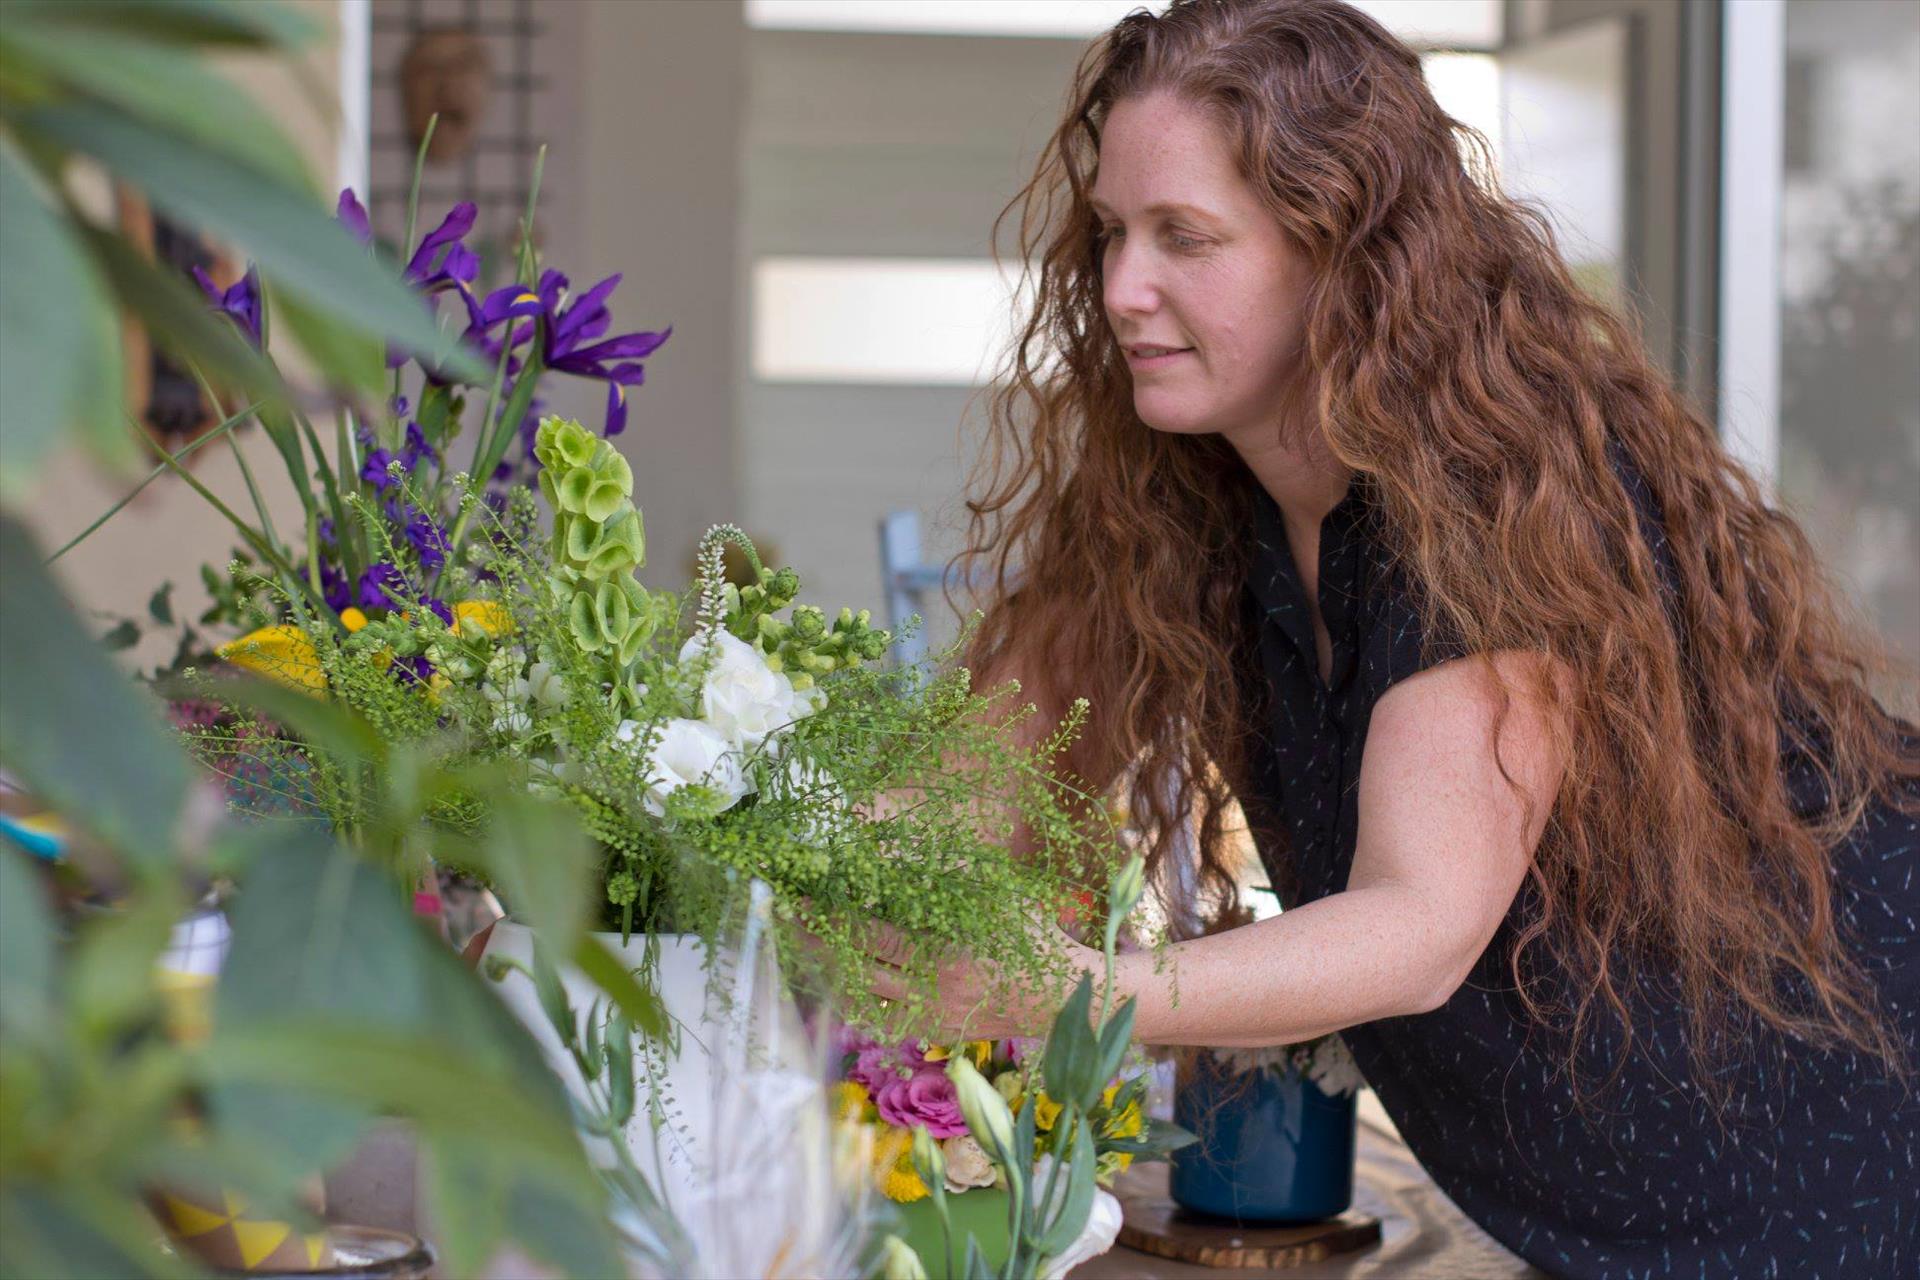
x=628, y=346
x=239, y=302
x=334, y=587
x=353, y=216
x=417, y=448
x=383, y=586
x=417, y=670
x=428, y=539
x=374, y=469
x=439, y=609
x=421, y=269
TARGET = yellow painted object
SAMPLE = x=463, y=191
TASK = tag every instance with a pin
x=220, y=1234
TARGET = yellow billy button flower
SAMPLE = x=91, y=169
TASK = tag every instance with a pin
x=489, y=618
x=893, y=1166
x=848, y=1100
x=282, y=653
x=352, y=619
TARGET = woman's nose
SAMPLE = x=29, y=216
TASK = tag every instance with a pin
x=1129, y=288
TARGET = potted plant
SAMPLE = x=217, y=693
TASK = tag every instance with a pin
x=1275, y=1132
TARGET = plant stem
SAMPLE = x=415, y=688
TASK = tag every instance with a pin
x=253, y=539
x=413, y=209
x=151, y=476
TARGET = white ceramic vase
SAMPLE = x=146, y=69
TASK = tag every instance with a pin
x=737, y=1146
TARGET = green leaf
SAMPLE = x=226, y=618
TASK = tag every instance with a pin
x=177, y=318
x=160, y=604
x=124, y=635
x=355, y=359
x=541, y=861
x=1077, y=1201
x=292, y=239
x=639, y=1005
x=1070, y=1065
x=620, y=1071
x=63, y=1229
x=72, y=726
x=156, y=84
x=54, y=322
x=26, y=949
x=247, y=23
x=110, y=982
x=1114, y=1039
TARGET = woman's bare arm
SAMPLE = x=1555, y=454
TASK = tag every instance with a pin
x=1444, y=842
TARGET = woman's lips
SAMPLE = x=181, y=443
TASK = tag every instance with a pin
x=1137, y=359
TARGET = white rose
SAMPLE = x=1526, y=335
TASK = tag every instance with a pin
x=967, y=1164
x=546, y=685
x=742, y=697
x=686, y=752
x=807, y=783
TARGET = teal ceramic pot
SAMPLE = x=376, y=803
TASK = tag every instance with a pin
x=1272, y=1147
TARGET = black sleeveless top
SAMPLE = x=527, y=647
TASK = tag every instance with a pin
x=1814, y=1168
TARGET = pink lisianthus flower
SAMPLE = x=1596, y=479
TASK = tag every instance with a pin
x=877, y=1065
x=928, y=1098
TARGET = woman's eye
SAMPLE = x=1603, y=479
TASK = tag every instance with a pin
x=1185, y=244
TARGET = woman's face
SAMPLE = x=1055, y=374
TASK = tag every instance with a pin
x=1202, y=288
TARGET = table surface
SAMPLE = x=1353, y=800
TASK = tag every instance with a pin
x=1422, y=1234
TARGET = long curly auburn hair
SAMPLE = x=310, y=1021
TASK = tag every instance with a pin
x=1452, y=361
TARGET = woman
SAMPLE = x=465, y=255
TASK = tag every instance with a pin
x=1338, y=498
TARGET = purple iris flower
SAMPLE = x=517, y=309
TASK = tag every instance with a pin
x=240, y=302
x=431, y=271
x=383, y=586
x=373, y=469
x=573, y=325
x=417, y=448
x=418, y=670
x=353, y=216
x=334, y=587
x=428, y=538
x=570, y=348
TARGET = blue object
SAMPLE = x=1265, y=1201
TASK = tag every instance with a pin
x=1273, y=1147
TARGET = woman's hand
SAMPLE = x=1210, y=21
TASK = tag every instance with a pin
x=966, y=1006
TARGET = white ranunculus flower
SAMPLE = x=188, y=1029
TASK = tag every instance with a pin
x=686, y=752
x=742, y=697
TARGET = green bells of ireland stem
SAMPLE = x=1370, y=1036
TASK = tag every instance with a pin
x=598, y=540
x=596, y=528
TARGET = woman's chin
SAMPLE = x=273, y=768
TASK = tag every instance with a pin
x=1174, y=419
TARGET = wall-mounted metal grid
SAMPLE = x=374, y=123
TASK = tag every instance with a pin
x=517, y=117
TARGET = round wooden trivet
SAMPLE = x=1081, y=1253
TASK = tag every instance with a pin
x=1152, y=1223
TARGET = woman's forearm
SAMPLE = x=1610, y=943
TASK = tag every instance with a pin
x=1372, y=952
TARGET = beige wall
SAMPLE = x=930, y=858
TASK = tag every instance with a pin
x=660, y=95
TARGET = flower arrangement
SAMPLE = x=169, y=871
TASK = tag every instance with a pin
x=892, y=1088
x=727, y=733
x=1325, y=1060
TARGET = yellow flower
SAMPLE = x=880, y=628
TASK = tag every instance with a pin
x=893, y=1166
x=935, y=1052
x=848, y=1101
x=283, y=654
x=981, y=1051
x=488, y=617
x=1045, y=1112
x=352, y=619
